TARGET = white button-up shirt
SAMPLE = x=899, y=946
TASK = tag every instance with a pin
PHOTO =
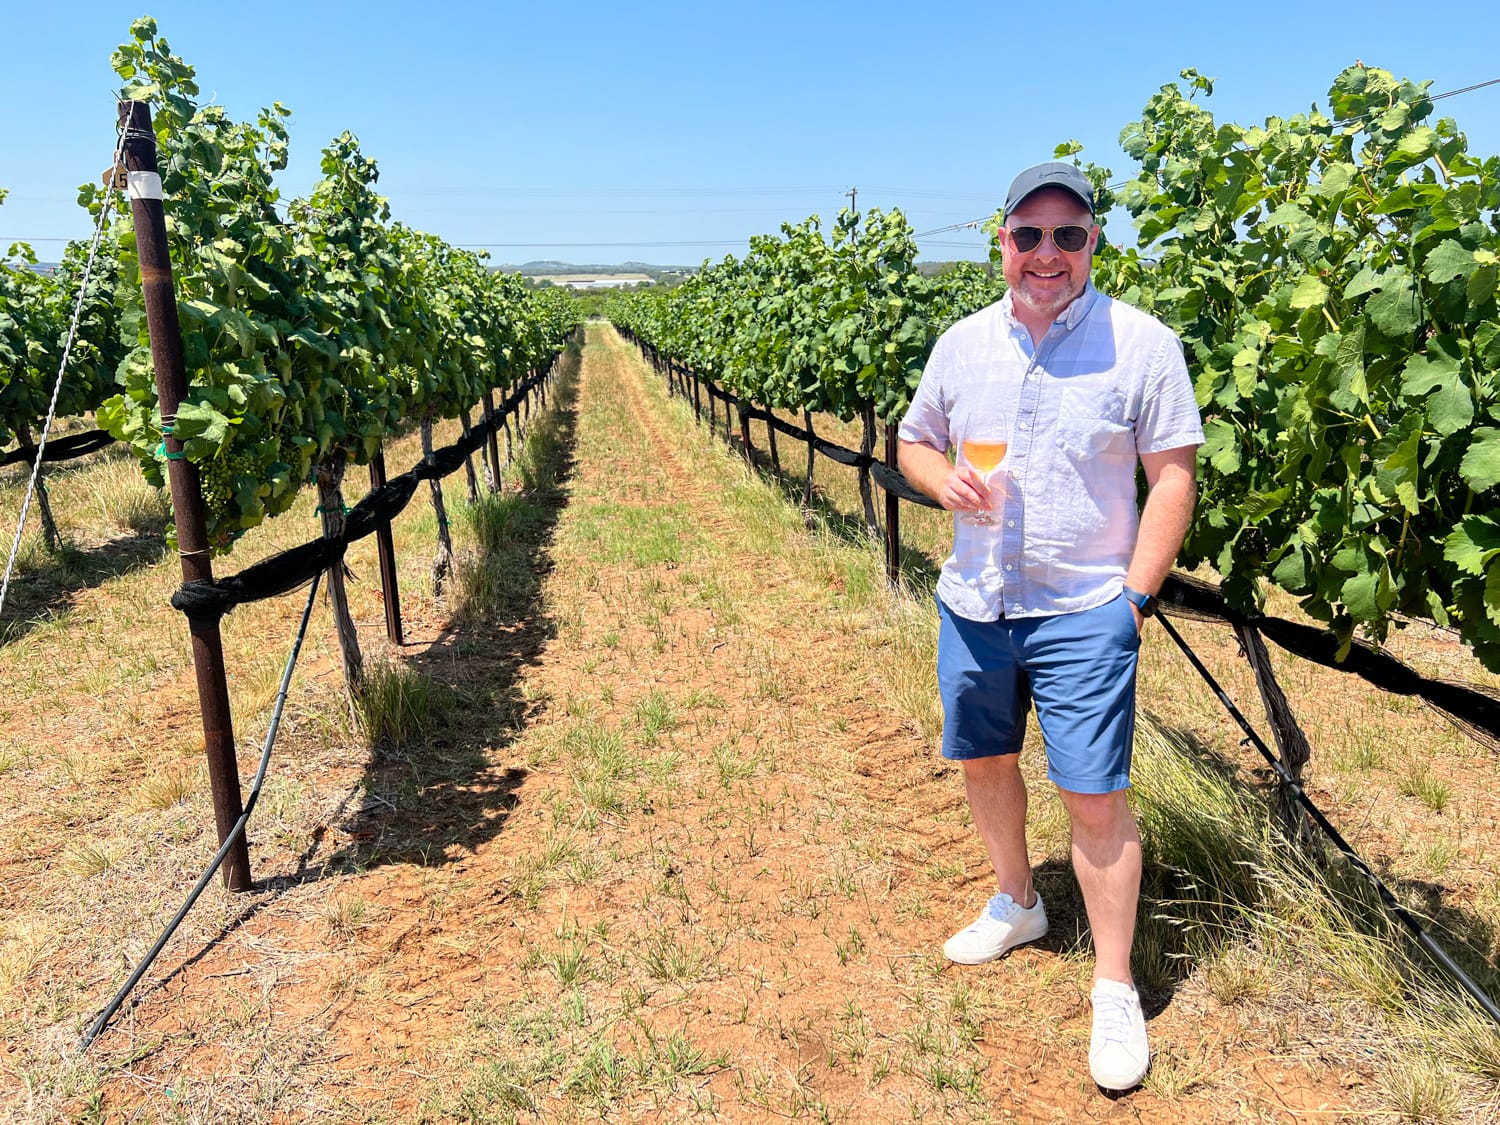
x=1105, y=384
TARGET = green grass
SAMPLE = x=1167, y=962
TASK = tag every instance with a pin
x=1418, y=782
x=655, y=715
x=630, y=533
x=398, y=705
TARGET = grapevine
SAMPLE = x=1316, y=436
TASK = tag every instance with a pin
x=308, y=337
x=1333, y=277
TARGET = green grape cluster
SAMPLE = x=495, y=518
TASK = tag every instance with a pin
x=238, y=487
x=216, y=479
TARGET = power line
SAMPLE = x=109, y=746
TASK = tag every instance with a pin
x=1465, y=90
x=489, y=193
x=510, y=211
x=972, y=224
x=924, y=193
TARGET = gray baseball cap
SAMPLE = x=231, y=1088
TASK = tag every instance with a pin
x=1053, y=174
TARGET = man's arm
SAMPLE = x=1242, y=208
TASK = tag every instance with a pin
x=956, y=488
x=1171, y=489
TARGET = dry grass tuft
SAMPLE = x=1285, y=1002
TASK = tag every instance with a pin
x=88, y=860
x=163, y=790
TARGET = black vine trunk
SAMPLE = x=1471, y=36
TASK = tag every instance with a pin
x=442, y=562
x=491, y=445
x=866, y=478
x=812, y=453
x=1291, y=743
x=749, y=449
x=330, y=478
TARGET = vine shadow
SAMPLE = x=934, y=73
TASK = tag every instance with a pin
x=50, y=587
x=438, y=799
x=441, y=797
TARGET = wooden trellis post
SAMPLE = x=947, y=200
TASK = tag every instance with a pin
x=386, y=550
x=892, y=512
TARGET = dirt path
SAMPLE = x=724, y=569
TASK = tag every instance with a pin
x=702, y=865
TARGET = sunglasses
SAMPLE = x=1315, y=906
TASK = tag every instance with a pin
x=1069, y=239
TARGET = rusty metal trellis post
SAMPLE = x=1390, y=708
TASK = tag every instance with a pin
x=148, y=216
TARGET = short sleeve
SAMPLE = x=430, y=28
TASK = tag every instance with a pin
x=1168, y=417
x=926, y=418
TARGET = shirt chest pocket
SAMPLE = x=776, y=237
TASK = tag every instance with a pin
x=1092, y=423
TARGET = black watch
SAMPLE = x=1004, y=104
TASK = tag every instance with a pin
x=1146, y=603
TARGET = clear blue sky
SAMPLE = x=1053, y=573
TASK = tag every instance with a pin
x=671, y=132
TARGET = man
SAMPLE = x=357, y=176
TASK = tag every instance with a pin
x=1046, y=602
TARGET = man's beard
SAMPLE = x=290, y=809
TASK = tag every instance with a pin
x=1049, y=305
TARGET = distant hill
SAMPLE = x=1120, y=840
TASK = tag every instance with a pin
x=544, y=268
x=551, y=267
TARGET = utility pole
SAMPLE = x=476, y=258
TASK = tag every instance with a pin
x=853, y=194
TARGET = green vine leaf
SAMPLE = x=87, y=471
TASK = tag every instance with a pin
x=1473, y=545
x=1480, y=467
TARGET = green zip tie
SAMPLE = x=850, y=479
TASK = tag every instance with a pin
x=162, y=451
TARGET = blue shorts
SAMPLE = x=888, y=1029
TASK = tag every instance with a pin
x=1078, y=667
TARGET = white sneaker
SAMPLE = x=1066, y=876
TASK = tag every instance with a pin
x=1119, y=1055
x=1001, y=927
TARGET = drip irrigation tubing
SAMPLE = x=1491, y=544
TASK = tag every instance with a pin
x=113, y=1006
x=60, y=449
x=1387, y=899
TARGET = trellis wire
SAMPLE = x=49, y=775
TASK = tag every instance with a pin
x=62, y=366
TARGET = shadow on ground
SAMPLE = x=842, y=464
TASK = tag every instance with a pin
x=439, y=798
x=49, y=586
x=49, y=590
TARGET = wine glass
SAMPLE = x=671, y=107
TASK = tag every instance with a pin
x=983, y=450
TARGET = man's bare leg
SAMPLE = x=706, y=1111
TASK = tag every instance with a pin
x=1107, y=862
x=997, y=800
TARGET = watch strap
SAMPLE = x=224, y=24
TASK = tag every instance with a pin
x=1146, y=603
